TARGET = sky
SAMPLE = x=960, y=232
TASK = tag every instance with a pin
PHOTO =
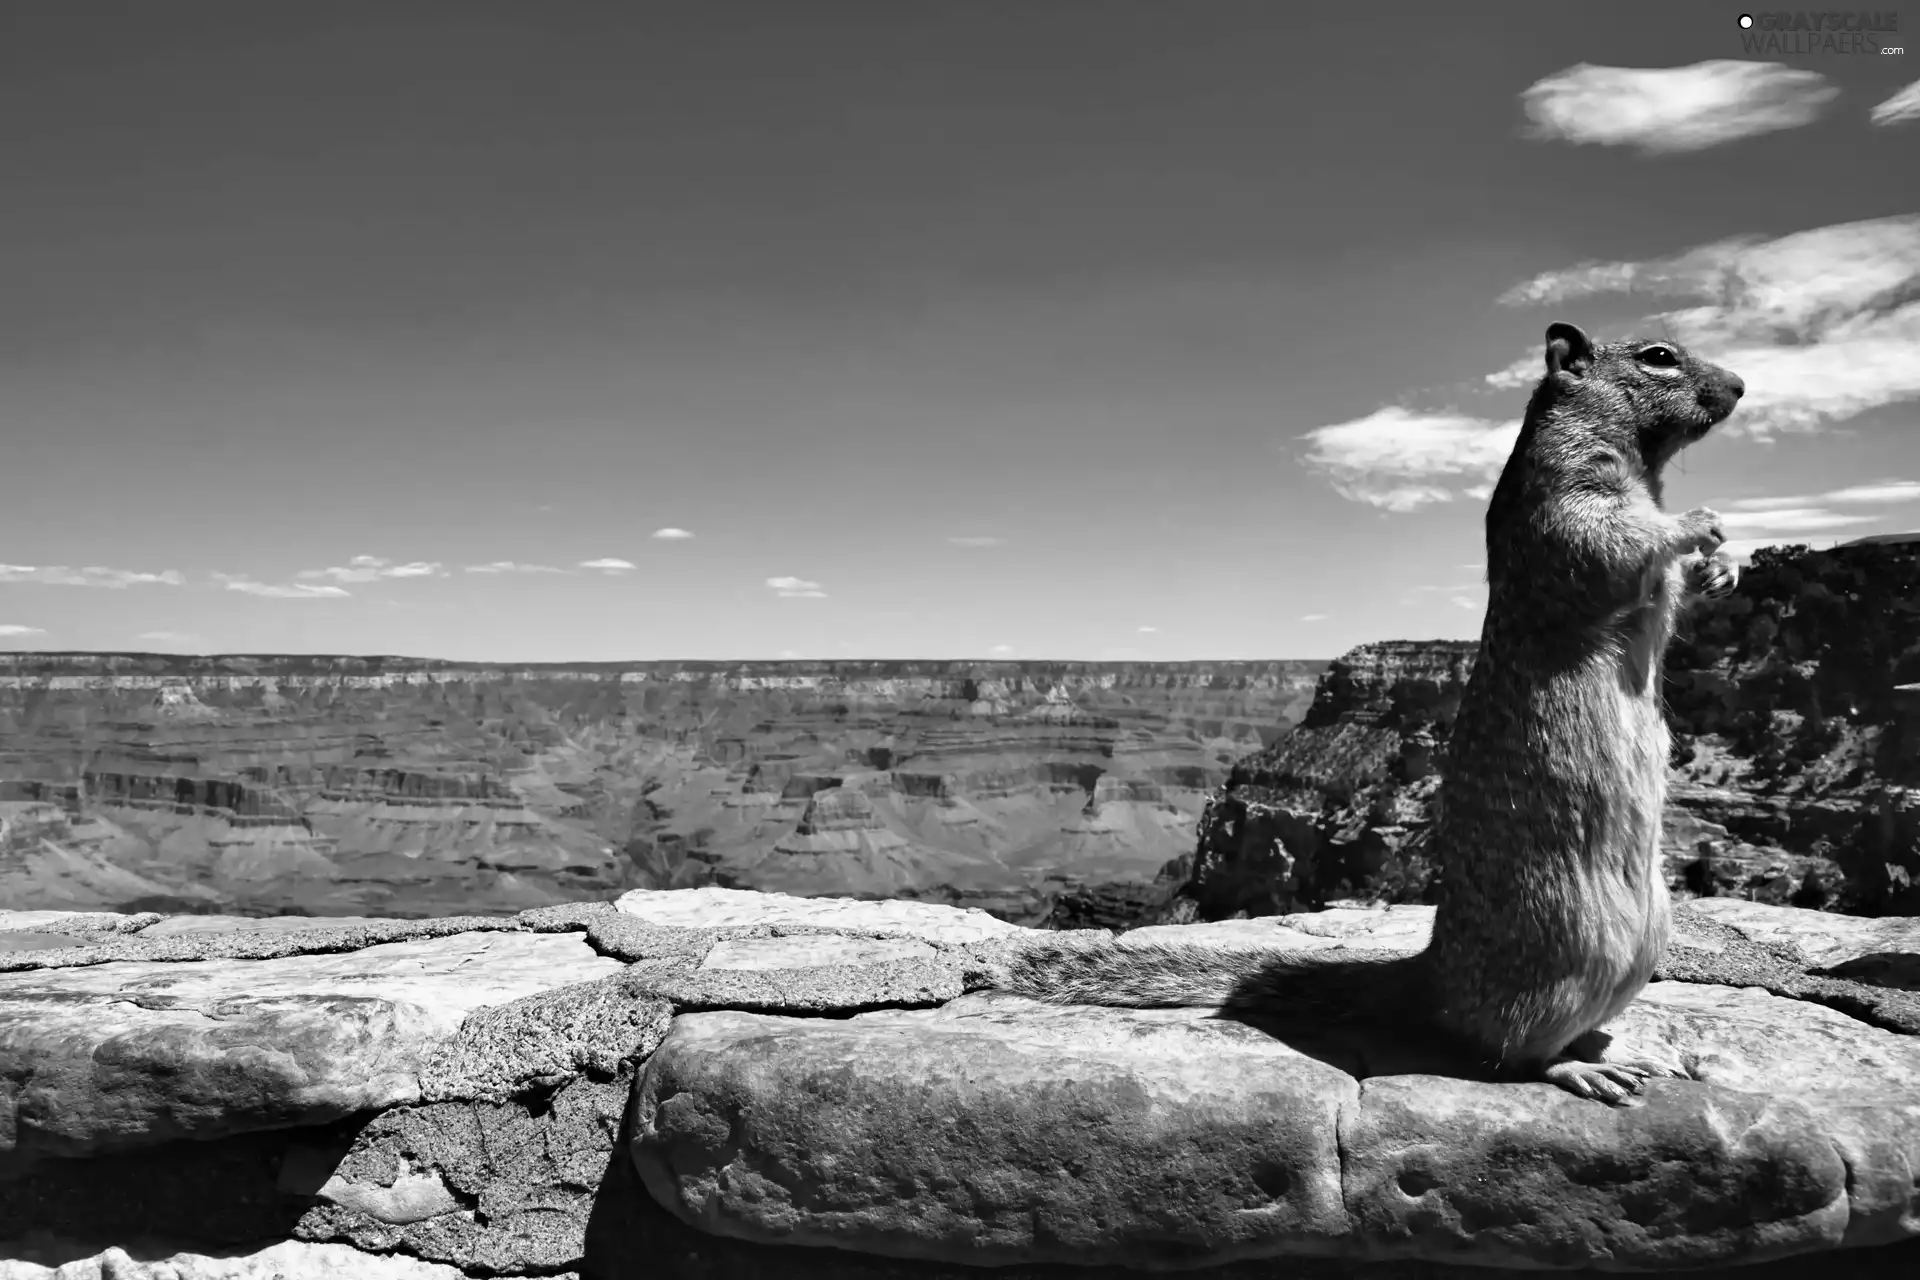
x=1094, y=329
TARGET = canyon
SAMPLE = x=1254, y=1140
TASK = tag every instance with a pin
x=273, y=784
x=1794, y=777
x=1070, y=794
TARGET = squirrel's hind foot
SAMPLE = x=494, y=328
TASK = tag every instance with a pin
x=1614, y=1083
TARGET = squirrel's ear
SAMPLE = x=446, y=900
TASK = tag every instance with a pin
x=1568, y=350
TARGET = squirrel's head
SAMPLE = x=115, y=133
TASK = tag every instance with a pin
x=1669, y=396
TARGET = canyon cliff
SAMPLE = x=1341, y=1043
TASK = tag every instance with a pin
x=1795, y=774
x=403, y=787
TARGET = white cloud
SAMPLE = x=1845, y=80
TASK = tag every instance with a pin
x=671, y=534
x=1000, y=650
x=1807, y=517
x=608, y=564
x=977, y=542
x=1791, y=520
x=510, y=566
x=279, y=590
x=796, y=588
x=1900, y=108
x=1313, y=617
x=168, y=637
x=1402, y=460
x=1465, y=602
x=14, y=629
x=59, y=575
x=373, y=568
x=1523, y=372
x=1823, y=325
x=1878, y=491
x=1668, y=110
x=1146, y=630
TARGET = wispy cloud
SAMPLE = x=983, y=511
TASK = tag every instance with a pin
x=1900, y=108
x=1800, y=517
x=1823, y=325
x=168, y=637
x=279, y=590
x=796, y=588
x=1465, y=602
x=372, y=569
x=608, y=564
x=1791, y=520
x=511, y=566
x=1523, y=372
x=1000, y=650
x=59, y=575
x=13, y=630
x=977, y=542
x=1313, y=617
x=1146, y=630
x=671, y=534
x=1403, y=460
x=1667, y=110
x=1878, y=492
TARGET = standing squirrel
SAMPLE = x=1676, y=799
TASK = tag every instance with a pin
x=1552, y=908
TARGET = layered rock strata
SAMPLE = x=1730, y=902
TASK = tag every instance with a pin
x=398, y=787
x=1795, y=777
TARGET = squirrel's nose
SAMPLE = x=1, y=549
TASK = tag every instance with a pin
x=1735, y=385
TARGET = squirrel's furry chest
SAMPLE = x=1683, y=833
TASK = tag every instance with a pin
x=1637, y=637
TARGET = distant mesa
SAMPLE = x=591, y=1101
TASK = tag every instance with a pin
x=384, y=785
x=1084, y=793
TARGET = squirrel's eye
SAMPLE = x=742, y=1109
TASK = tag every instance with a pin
x=1659, y=356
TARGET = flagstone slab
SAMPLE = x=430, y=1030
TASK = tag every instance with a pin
x=127, y=1053
x=287, y=1260
x=711, y=907
x=1884, y=950
x=994, y=1130
x=78, y=922
x=812, y=1072
x=311, y=937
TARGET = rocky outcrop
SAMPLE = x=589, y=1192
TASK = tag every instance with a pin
x=1795, y=774
x=1341, y=806
x=1793, y=735
x=393, y=786
x=650, y=1087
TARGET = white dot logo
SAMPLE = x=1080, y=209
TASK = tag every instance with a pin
x=1746, y=20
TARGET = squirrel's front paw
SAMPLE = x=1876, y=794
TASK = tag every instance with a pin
x=1711, y=576
x=1702, y=531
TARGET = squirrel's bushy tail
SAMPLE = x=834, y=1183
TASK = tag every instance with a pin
x=1332, y=984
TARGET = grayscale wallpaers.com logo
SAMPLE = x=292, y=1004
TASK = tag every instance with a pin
x=1802, y=31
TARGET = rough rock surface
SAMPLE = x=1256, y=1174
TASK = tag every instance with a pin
x=712, y=908
x=1795, y=777
x=669, y=1100
x=1161, y=1136
x=288, y=1260
x=99, y=1057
